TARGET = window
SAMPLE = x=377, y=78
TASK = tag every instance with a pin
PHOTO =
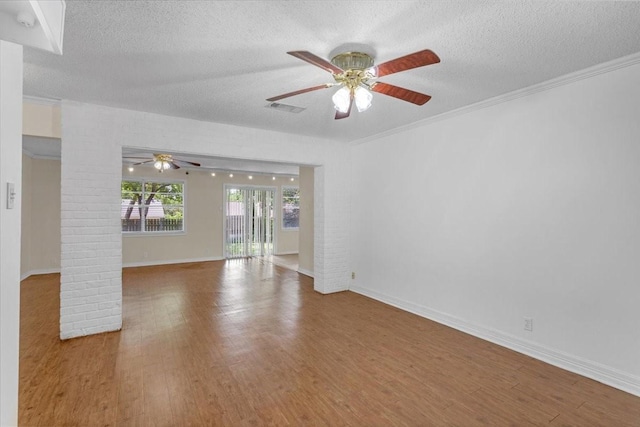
x=290, y=207
x=152, y=206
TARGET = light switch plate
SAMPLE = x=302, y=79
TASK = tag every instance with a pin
x=11, y=195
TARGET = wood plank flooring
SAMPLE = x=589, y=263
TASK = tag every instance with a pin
x=287, y=261
x=247, y=342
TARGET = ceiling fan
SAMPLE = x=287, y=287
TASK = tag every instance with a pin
x=356, y=74
x=163, y=162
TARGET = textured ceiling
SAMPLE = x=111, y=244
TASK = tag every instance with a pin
x=219, y=60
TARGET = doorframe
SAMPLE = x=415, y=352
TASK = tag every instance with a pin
x=225, y=187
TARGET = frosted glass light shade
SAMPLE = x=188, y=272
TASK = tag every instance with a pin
x=341, y=99
x=363, y=99
x=161, y=165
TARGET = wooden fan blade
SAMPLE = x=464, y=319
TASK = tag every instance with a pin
x=340, y=115
x=185, y=161
x=174, y=166
x=401, y=93
x=407, y=62
x=316, y=60
x=298, y=92
x=142, y=163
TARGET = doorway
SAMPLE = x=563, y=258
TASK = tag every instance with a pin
x=249, y=221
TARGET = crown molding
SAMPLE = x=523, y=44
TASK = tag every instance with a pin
x=41, y=101
x=596, y=70
x=38, y=156
x=28, y=153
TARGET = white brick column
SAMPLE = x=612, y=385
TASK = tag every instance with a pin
x=331, y=224
x=91, y=255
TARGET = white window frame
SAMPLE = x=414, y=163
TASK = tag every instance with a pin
x=144, y=232
x=276, y=195
x=282, y=190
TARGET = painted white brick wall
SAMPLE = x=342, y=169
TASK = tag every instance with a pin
x=91, y=245
x=332, y=270
x=92, y=141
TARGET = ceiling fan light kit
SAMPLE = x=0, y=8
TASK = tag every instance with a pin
x=161, y=165
x=162, y=162
x=356, y=75
x=342, y=99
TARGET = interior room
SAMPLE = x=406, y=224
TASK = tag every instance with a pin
x=321, y=213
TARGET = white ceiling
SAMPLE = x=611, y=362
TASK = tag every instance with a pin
x=219, y=60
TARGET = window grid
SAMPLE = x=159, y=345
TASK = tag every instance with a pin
x=290, y=208
x=150, y=206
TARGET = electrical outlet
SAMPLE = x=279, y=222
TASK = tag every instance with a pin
x=353, y=275
x=528, y=324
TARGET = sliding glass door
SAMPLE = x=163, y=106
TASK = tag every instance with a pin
x=249, y=221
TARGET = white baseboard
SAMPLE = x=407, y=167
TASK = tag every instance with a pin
x=305, y=272
x=596, y=371
x=172, y=261
x=286, y=253
x=40, y=271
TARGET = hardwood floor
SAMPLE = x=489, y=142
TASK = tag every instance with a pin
x=246, y=342
x=286, y=261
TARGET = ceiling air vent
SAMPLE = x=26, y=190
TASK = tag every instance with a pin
x=285, y=107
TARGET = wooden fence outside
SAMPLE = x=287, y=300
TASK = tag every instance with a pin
x=153, y=224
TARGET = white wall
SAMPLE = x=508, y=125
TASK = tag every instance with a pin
x=40, y=239
x=528, y=208
x=40, y=216
x=41, y=119
x=10, y=171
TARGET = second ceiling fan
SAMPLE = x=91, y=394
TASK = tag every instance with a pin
x=163, y=162
x=356, y=73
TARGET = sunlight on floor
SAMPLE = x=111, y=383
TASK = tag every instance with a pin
x=286, y=261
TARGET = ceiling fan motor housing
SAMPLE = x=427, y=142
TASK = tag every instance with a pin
x=352, y=61
x=356, y=66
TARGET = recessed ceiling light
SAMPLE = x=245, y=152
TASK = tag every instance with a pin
x=292, y=179
x=250, y=177
x=273, y=178
x=213, y=174
x=230, y=175
x=130, y=168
